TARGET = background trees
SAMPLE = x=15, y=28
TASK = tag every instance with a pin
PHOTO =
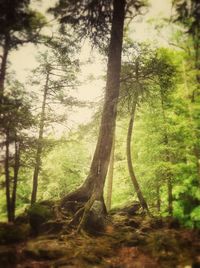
x=19, y=25
x=57, y=72
x=15, y=119
x=157, y=127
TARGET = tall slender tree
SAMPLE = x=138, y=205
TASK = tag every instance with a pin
x=58, y=68
x=97, y=19
x=145, y=72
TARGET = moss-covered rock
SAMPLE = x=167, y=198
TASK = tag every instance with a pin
x=39, y=214
x=95, y=223
x=131, y=210
x=22, y=218
x=13, y=233
x=71, y=207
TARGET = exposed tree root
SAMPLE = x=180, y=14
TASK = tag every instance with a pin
x=88, y=212
x=87, y=208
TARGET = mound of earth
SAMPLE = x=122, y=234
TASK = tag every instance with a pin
x=130, y=239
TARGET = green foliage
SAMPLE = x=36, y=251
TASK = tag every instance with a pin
x=163, y=82
x=92, y=18
x=38, y=214
x=70, y=166
x=19, y=24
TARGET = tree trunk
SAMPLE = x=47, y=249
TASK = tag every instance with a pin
x=110, y=177
x=158, y=201
x=15, y=180
x=39, y=144
x=3, y=65
x=92, y=188
x=167, y=158
x=101, y=157
x=170, y=196
x=129, y=161
x=7, y=175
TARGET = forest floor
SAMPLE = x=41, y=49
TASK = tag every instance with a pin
x=129, y=241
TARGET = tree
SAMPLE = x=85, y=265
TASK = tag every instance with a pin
x=187, y=15
x=15, y=118
x=138, y=72
x=58, y=68
x=110, y=176
x=97, y=16
x=19, y=25
x=146, y=72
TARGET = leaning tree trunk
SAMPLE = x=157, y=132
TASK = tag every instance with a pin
x=39, y=144
x=140, y=196
x=92, y=188
x=110, y=177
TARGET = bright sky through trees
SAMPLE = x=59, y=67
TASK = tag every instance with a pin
x=24, y=60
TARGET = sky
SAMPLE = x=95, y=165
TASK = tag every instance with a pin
x=23, y=60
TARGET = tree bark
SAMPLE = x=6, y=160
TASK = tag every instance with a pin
x=170, y=195
x=158, y=201
x=15, y=179
x=3, y=65
x=92, y=188
x=110, y=177
x=101, y=157
x=129, y=161
x=7, y=175
x=39, y=143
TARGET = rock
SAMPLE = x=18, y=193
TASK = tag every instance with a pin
x=71, y=207
x=12, y=233
x=133, y=223
x=96, y=221
x=7, y=257
x=39, y=214
x=131, y=210
x=22, y=218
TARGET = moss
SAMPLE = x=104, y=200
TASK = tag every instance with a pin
x=163, y=242
x=10, y=233
x=47, y=249
x=39, y=214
